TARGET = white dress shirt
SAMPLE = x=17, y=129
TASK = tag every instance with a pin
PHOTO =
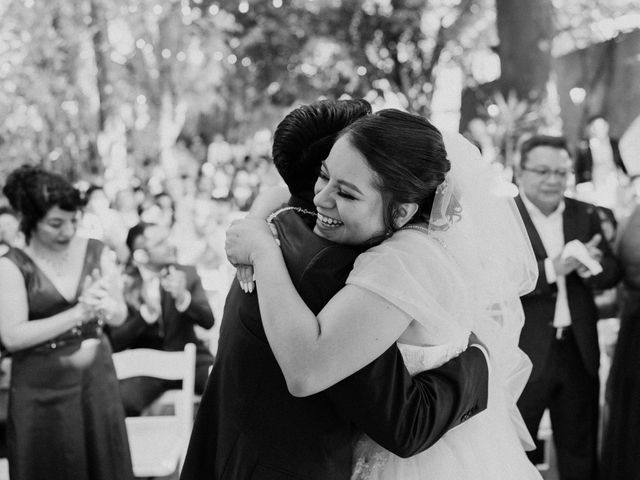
x=604, y=165
x=551, y=231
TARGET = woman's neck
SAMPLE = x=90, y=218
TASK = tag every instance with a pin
x=46, y=251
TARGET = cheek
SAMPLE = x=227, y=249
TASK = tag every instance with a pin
x=44, y=232
x=318, y=186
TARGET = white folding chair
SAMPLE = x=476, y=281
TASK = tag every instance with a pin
x=158, y=443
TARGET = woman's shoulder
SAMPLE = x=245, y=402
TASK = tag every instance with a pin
x=14, y=256
x=13, y=262
x=407, y=245
x=408, y=257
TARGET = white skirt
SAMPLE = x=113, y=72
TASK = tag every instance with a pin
x=485, y=447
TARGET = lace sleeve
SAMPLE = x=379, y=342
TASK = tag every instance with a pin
x=414, y=273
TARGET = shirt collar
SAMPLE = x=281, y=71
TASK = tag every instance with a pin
x=536, y=212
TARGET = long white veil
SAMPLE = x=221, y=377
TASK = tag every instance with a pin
x=476, y=219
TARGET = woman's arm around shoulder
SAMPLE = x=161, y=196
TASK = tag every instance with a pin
x=352, y=330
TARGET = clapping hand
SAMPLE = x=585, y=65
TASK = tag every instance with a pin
x=564, y=266
x=174, y=282
x=594, y=252
x=96, y=298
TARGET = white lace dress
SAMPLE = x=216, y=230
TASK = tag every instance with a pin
x=414, y=272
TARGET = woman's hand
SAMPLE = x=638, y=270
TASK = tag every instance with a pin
x=247, y=240
x=245, y=277
x=97, y=298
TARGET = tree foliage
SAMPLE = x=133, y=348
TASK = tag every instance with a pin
x=92, y=84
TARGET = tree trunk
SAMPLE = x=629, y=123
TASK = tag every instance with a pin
x=101, y=159
x=525, y=30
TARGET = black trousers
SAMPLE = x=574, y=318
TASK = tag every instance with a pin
x=138, y=392
x=571, y=394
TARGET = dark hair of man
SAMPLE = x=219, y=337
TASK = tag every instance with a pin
x=303, y=139
x=156, y=200
x=408, y=156
x=559, y=143
x=134, y=232
x=33, y=191
x=90, y=191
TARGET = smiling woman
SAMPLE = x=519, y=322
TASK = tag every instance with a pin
x=349, y=204
x=65, y=415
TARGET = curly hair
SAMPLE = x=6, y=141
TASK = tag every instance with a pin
x=33, y=191
x=303, y=139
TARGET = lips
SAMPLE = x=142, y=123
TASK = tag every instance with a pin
x=328, y=222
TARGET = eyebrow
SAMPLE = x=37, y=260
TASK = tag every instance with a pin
x=345, y=183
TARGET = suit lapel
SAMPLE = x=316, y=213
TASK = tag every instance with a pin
x=570, y=220
x=534, y=237
x=165, y=302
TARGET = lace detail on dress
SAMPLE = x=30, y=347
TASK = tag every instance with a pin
x=370, y=459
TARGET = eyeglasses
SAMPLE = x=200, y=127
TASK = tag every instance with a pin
x=546, y=172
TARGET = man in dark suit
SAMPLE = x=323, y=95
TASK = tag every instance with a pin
x=599, y=154
x=248, y=425
x=559, y=333
x=165, y=301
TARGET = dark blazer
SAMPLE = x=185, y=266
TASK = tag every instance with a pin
x=581, y=222
x=250, y=427
x=584, y=160
x=174, y=329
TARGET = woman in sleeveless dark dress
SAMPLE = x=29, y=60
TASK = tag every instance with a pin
x=65, y=418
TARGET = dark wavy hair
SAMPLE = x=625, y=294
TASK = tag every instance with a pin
x=303, y=139
x=33, y=191
x=408, y=156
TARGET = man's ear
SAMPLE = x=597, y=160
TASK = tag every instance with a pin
x=518, y=171
x=404, y=213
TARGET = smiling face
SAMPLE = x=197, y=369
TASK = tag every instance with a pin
x=153, y=248
x=56, y=229
x=543, y=177
x=350, y=206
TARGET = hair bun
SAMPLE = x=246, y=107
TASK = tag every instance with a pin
x=16, y=188
x=305, y=136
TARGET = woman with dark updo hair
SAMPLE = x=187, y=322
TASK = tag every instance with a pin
x=66, y=419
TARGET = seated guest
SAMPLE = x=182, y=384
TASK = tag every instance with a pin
x=165, y=301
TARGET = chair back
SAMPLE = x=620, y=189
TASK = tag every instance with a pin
x=158, y=443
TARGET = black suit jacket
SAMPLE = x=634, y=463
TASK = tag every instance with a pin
x=584, y=160
x=581, y=222
x=174, y=329
x=250, y=427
